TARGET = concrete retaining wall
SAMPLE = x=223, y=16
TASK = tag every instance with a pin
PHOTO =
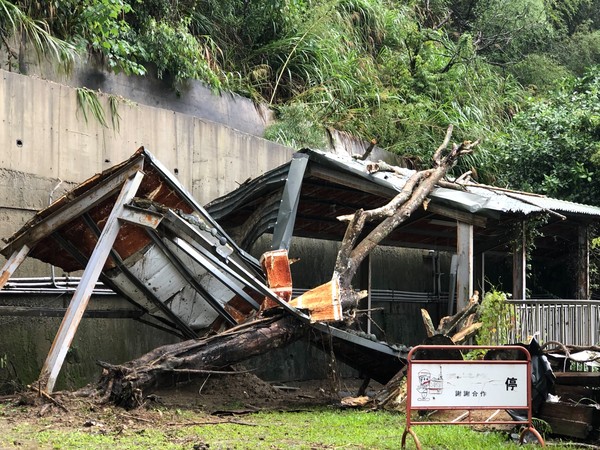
x=45, y=139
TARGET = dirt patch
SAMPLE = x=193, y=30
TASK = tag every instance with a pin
x=211, y=399
x=245, y=390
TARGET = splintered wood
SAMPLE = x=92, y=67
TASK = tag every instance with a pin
x=276, y=265
x=322, y=303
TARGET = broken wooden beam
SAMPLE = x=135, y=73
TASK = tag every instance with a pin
x=323, y=302
x=589, y=379
x=578, y=421
x=276, y=266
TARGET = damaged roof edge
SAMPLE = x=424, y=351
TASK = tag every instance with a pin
x=96, y=189
x=74, y=203
x=476, y=199
x=176, y=185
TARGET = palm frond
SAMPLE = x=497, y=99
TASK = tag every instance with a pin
x=13, y=20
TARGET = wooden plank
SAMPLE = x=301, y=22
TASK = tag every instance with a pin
x=576, y=393
x=455, y=214
x=82, y=294
x=74, y=208
x=590, y=379
x=570, y=420
x=276, y=265
x=12, y=264
x=464, y=274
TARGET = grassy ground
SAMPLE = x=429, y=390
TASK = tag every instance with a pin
x=87, y=427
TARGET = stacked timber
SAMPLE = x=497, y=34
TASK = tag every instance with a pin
x=576, y=414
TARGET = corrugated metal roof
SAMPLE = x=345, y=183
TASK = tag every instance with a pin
x=476, y=198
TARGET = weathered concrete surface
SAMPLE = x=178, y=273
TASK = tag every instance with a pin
x=45, y=139
x=25, y=341
x=192, y=98
x=44, y=132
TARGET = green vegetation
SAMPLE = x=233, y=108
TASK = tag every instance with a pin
x=320, y=428
x=498, y=318
x=522, y=75
x=553, y=145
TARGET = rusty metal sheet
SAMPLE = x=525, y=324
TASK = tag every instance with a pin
x=66, y=233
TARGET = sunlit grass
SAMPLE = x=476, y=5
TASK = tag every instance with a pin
x=315, y=429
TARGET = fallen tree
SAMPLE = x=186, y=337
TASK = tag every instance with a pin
x=126, y=384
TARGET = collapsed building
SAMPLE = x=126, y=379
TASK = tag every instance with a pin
x=186, y=269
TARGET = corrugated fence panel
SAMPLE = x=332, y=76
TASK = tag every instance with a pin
x=570, y=322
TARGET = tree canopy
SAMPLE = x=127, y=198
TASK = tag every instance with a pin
x=521, y=75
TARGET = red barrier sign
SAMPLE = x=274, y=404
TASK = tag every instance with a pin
x=468, y=385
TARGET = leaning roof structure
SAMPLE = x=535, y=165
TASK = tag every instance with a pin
x=333, y=185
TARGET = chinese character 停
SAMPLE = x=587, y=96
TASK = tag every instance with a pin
x=511, y=383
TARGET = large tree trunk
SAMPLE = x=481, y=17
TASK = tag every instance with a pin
x=397, y=211
x=126, y=384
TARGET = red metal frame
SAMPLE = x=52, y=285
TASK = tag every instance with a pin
x=409, y=405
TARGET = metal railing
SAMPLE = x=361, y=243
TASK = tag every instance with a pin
x=571, y=322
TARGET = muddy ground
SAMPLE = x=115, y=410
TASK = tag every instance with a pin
x=217, y=398
x=214, y=399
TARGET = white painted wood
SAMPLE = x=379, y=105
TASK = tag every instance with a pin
x=13, y=264
x=464, y=274
x=82, y=294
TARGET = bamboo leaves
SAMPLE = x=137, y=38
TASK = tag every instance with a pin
x=14, y=21
x=89, y=103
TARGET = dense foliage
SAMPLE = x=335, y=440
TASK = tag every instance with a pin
x=399, y=72
x=553, y=145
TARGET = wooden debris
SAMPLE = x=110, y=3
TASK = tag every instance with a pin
x=466, y=333
x=355, y=402
x=276, y=265
x=464, y=321
x=47, y=396
x=429, y=328
x=323, y=302
x=578, y=421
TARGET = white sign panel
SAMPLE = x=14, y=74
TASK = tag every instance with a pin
x=468, y=385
